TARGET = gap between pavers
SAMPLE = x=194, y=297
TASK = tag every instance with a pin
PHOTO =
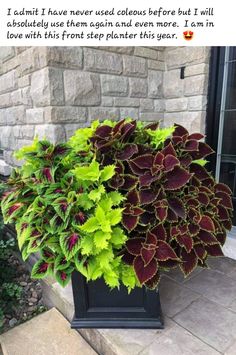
x=47, y=333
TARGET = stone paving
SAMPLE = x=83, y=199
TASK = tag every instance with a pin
x=200, y=316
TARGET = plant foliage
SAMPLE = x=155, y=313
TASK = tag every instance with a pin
x=121, y=201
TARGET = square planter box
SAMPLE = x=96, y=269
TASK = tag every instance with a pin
x=96, y=306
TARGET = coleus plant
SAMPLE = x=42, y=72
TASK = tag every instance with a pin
x=121, y=201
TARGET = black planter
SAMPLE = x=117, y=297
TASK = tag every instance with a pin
x=98, y=307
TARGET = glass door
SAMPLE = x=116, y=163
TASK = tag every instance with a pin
x=226, y=147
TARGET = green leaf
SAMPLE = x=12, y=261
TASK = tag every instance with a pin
x=70, y=244
x=95, y=195
x=101, y=239
x=115, y=216
x=118, y=238
x=25, y=253
x=87, y=245
x=23, y=236
x=91, y=225
x=116, y=197
x=107, y=173
x=201, y=162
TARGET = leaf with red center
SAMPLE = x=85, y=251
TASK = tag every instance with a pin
x=165, y=252
x=130, y=182
x=170, y=162
x=61, y=150
x=80, y=218
x=116, y=181
x=223, y=188
x=47, y=174
x=221, y=238
x=147, y=196
x=128, y=258
x=151, y=239
x=147, y=255
x=61, y=263
x=189, y=263
x=69, y=244
x=177, y=206
x=203, y=151
x=196, y=136
x=206, y=237
x=13, y=208
x=207, y=224
x=103, y=132
x=144, y=273
x=144, y=161
x=147, y=179
x=133, y=197
x=134, y=245
x=47, y=255
x=200, y=251
x=199, y=171
x=40, y=269
x=62, y=207
x=153, y=282
x=169, y=150
x=225, y=199
x=222, y=213
x=127, y=152
x=176, y=178
x=161, y=213
x=214, y=250
x=203, y=198
x=191, y=145
x=129, y=222
x=63, y=277
x=185, y=241
x=180, y=131
x=158, y=159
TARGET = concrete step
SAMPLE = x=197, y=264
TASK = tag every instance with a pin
x=48, y=333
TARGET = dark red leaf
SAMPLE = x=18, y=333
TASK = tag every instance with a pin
x=171, y=216
x=176, y=178
x=129, y=222
x=152, y=126
x=223, y=188
x=116, y=181
x=147, y=255
x=118, y=126
x=169, y=149
x=151, y=239
x=193, y=229
x=221, y=237
x=130, y=182
x=203, y=198
x=200, y=251
x=170, y=162
x=134, y=245
x=159, y=232
x=177, y=206
x=191, y=145
x=147, y=218
x=147, y=179
x=168, y=264
x=144, y=273
x=203, y=151
x=119, y=167
x=135, y=169
x=185, y=241
x=196, y=136
x=103, y=131
x=127, y=152
x=144, y=161
x=153, y=282
x=225, y=199
x=214, y=250
x=207, y=224
x=161, y=213
x=127, y=130
x=158, y=159
x=222, y=213
x=133, y=197
x=128, y=258
x=165, y=252
x=185, y=161
x=206, y=237
x=147, y=196
x=190, y=261
x=199, y=171
x=180, y=131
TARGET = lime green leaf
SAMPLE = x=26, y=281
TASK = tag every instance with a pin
x=87, y=245
x=118, y=238
x=95, y=195
x=80, y=264
x=100, y=214
x=116, y=197
x=91, y=225
x=101, y=239
x=104, y=258
x=90, y=172
x=159, y=136
x=128, y=277
x=84, y=201
x=201, y=162
x=107, y=173
x=115, y=216
x=111, y=279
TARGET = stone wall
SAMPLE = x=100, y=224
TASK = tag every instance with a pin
x=185, y=100
x=51, y=91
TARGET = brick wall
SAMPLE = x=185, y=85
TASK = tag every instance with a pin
x=51, y=91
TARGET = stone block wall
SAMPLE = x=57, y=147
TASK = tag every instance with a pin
x=51, y=91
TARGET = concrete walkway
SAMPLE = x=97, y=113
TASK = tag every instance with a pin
x=46, y=334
